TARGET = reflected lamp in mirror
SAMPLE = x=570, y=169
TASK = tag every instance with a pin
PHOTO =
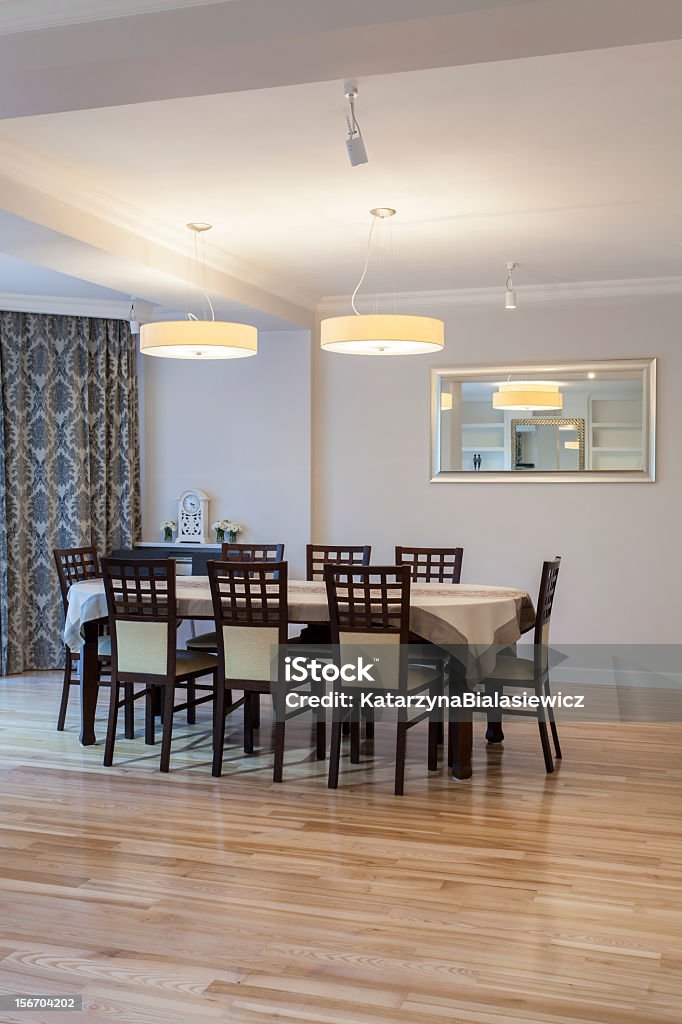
x=580, y=422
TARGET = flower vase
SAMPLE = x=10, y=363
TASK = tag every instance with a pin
x=167, y=536
x=219, y=536
x=233, y=538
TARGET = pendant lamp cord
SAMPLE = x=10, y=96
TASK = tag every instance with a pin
x=191, y=316
x=364, y=272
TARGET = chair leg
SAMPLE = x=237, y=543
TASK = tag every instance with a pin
x=494, y=732
x=555, y=737
x=255, y=711
x=435, y=728
x=167, y=735
x=111, y=724
x=334, y=755
x=66, y=686
x=191, y=697
x=279, y=751
x=129, y=711
x=321, y=738
x=546, y=750
x=149, y=717
x=355, y=742
x=552, y=726
x=220, y=694
x=400, y=752
x=248, y=723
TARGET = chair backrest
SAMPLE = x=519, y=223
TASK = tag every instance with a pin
x=251, y=615
x=370, y=606
x=432, y=565
x=142, y=615
x=548, y=580
x=319, y=555
x=253, y=552
x=74, y=565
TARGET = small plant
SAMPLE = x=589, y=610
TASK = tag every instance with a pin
x=168, y=526
x=226, y=526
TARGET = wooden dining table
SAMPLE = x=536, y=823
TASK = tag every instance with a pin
x=471, y=622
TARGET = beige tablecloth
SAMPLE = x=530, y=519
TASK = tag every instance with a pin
x=474, y=617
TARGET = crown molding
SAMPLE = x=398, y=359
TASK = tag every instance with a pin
x=567, y=292
x=25, y=165
x=60, y=305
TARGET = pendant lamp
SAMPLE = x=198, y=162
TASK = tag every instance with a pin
x=380, y=334
x=198, y=339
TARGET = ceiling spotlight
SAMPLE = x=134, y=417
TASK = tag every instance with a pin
x=510, y=294
x=591, y=375
x=134, y=323
x=357, y=154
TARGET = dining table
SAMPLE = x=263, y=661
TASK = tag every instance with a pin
x=470, y=622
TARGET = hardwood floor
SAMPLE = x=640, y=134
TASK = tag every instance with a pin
x=515, y=898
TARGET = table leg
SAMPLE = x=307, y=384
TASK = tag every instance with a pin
x=462, y=736
x=461, y=728
x=89, y=678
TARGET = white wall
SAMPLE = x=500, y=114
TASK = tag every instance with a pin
x=238, y=429
x=620, y=579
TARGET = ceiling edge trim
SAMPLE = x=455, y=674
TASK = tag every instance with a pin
x=575, y=290
x=30, y=168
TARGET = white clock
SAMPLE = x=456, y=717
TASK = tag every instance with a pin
x=192, y=517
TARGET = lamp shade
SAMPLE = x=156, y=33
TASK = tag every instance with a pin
x=382, y=334
x=198, y=339
x=528, y=396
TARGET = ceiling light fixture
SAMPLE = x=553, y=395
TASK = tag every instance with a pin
x=381, y=334
x=510, y=294
x=357, y=154
x=198, y=339
x=528, y=396
x=132, y=320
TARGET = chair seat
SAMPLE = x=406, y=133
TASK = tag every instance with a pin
x=205, y=642
x=189, y=662
x=421, y=675
x=514, y=670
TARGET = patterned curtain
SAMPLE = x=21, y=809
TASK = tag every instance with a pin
x=69, y=466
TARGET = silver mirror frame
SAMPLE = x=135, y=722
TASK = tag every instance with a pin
x=647, y=367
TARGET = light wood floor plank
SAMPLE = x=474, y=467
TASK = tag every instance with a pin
x=511, y=899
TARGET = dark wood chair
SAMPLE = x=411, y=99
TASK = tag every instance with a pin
x=77, y=565
x=141, y=601
x=252, y=618
x=238, y=553
x=316, y=557
x=253, y=552
x=431, y=565
x=530, y=674
x=319, y=555
x=370, y=605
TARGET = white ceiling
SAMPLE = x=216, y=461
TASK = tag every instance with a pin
x=26, y=278
x=566, y=162
x=29, y=15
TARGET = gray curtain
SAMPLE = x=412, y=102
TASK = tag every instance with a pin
x=69, y=466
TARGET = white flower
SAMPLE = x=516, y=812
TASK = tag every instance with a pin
x=168, y=524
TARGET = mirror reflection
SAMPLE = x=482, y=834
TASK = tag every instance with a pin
x=576, y=419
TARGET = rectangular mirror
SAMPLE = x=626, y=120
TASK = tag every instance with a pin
x=577, y=422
